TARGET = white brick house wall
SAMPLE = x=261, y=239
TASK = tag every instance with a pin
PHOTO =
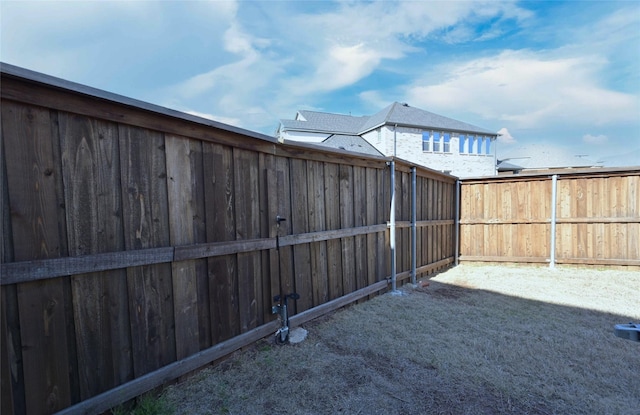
x=424, y=138
x=409, y=147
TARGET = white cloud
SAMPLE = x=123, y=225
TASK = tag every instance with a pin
x=106, y=43
x=334, y=48
x=595, y=139
x=222, y=119
x=505, y=137
x=527, y=89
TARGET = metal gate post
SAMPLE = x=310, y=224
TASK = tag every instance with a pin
x=554, y=198
x=457, y=225
x=392, y=225
x=413, y=225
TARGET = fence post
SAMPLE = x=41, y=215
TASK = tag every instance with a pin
x=413, y=225
x=456, y=248
x=554, y=198
x=392, y=226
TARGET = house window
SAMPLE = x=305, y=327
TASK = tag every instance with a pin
x=487, y=149
x=470, y=141
x=426, y=141
x=436, y=141
x=462, y=141
x=446, y=143
x=479, y=148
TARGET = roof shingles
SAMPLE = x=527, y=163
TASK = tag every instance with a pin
x=396, y=113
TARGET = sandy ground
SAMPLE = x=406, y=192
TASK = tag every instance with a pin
x=475, y=340
x=594, y=289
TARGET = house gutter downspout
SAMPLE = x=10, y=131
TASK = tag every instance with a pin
x=392, y=218
x=413, y=225
x=554, y=197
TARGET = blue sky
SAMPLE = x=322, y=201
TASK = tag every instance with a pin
x=552, y=76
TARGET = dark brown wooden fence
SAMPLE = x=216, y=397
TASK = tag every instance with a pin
x=139, y=243
x=509, y=218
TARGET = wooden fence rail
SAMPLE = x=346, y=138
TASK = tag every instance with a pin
x=139, y=243
x=597, y=221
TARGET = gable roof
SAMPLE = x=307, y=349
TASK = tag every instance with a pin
x=396, y=113
x=503, y=165
x=405, y=115
x=351, y=143
x=326, y=122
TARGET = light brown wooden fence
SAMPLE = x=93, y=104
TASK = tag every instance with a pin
x=509, y=218
x=139, y=243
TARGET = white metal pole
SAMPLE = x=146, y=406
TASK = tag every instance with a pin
x=392, y=215
x=413, y=225
x=457, y=224
x=392, y=225
x=554, y=198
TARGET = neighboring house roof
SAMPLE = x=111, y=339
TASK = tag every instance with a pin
x=351, y=143
x=542, y=156
x=405, y=115
x=629, y=158
x=506, y=166
x=325, y=122
x=396, y=113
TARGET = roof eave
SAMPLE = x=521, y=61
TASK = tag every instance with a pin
x=426, y=127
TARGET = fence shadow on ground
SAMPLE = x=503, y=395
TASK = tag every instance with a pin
x=442, y=349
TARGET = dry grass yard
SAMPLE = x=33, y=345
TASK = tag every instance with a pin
x=477, y=340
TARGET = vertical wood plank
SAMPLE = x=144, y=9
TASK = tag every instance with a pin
x=347, y=221
x=7, y=356
x=317, y=222
x=278, y=204
x=439, y=228
x=404, y=234
x=383, y=204
x=91, y=172
x=633, y=210
x=34, y=187
x=633, y=240
x=360, y=219
x=196, y=160
x=11, y=371
x=286, y=278
x=372, y=193
x=267, y=182
x=221, y=226
x=246, y=184
x=182, y=211
x=146, y=225
x=334, y=246
x=300, y=224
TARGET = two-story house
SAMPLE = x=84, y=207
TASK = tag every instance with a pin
x=409, y=133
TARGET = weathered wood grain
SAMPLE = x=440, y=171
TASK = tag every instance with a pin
x=91, y=173
x=332, y=214
x=182, y=194
x=347, y=221
x=596, y=217
x=360, y=219
x=300, y=224
x=317, y=222
x=370, y=196
x=286, y=279
x=219, y=194
x=146, y=225
x=34, y=188
x=247, y=210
